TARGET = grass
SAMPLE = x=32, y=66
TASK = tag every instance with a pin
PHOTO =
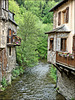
x=53, y=73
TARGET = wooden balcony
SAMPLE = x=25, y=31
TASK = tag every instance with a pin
x=16, y=41
x=65, y=59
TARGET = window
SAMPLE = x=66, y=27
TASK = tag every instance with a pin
x=66, y=15
x=59, y=18
x=10, y=36
x=10, y=51
x=51, y=44
x=13, y=37
x=63, y=44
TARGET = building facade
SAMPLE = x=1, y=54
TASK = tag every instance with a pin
x=8, y=41
x=61, y=46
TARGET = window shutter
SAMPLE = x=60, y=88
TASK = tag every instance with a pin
x=11, y=36
x=8, y=37
x=64, y=44
x=67, y=14
x=59, y=18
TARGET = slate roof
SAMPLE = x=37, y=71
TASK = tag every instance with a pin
x=61, y=29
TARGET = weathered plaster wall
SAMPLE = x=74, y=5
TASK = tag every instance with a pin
x=70, y=24
x=8, y=61
x=11, y=58
x=66, y=85
x=0, y=66
x=3, y=33
x=11, y=62
x=51, y=54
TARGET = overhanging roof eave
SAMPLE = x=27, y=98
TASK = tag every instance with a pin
x=57, y=32
x=56, y=6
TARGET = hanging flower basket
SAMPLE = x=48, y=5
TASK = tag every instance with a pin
x=65, y=55
x=71, y=56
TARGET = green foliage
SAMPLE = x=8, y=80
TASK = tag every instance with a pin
x=2, y=88
x=17, y=71
x=53, y=73
x=41, y=9
x=27, y=54
x=57, y=88
x=14, y=7
x=21, y=70
x=34, y=20
x=4, y=82
x=72, y=98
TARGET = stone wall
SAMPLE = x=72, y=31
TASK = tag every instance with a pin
x=11, y=62
x=51, y=57
x=11, y=58
x=66, y=85
x=3, y=63
x=3, y=33
x=7, y=62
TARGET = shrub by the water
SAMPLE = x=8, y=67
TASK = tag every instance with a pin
x=4, y=82
x=53, y=73
x=17, y=71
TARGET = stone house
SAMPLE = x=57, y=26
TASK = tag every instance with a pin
x=8, y=41
x=61, y=46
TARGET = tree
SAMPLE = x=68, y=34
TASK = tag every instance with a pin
x=34, y=20
x=27, y=54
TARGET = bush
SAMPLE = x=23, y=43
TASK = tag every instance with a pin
x=4, y=82
x=53, y=73
x=21, y=70
x=17, y=71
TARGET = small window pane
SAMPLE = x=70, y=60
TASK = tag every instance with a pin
x=51, y=44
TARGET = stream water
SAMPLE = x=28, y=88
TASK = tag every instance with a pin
x=34, y=84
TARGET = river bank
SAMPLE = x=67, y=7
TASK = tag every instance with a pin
x=34, y=84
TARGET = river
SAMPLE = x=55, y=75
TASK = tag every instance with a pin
x=34, y=84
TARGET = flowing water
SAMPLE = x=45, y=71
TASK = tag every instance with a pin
x=34, y=84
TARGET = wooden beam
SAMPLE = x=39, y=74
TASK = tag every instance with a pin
x=67, y=69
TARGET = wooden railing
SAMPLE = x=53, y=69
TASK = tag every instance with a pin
x=15, y=41
x=65, y=59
